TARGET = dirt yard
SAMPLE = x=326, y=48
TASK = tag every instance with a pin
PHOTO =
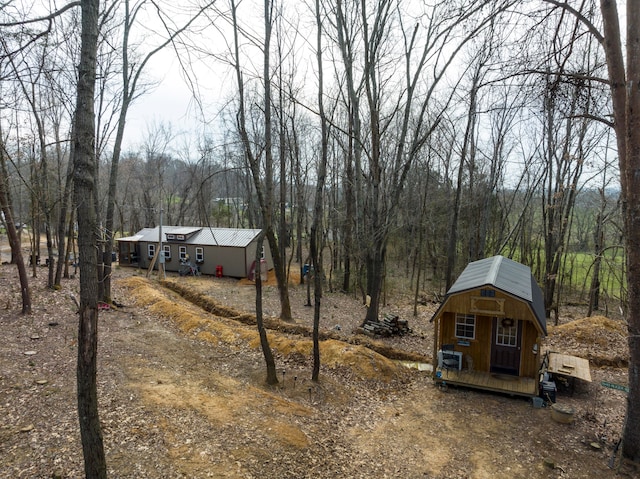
x=182, y=393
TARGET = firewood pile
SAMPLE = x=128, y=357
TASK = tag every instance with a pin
x=391, y=325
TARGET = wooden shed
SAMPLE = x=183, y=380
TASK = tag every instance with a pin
x=491, y=324
x=216, y=251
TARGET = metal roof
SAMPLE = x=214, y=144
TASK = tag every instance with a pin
x=136, y=237
x=235, y=237
x=498, y=271
x=206, y=236
x=181, y=230
x=506, y=275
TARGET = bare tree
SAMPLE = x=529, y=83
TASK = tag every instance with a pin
x=132, y=72
x=272, y=377
x=346, y=28
x=467, y=160
x=85, y=189
x=623, y=75
x=599, y=248
x=30, y=74
x=401, y=120
x=626, y=115
x=316, y=226
x=12, y=232
x=255, y=170
x=569, y=136
x=279, y=263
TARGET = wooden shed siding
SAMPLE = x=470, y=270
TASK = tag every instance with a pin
x=530, y=361
x=478, y=347
x=513, y=307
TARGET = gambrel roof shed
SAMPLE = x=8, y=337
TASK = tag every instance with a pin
x=489, y=328
x=505, y=275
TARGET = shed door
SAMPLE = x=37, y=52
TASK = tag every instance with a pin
x=506, y=346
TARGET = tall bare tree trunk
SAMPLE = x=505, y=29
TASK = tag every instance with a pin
x=452, y=245
x=255, y=173
x=354, y=146
x=279, y=263
x=62, y=221
x=316, y=227
x=131, y=73
x=598, y=249
x=12, y=233
x=626, y=117
x=272, y=376
x=85, y=193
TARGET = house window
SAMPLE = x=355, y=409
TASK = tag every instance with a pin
x=488, y=293
x=183, y=253
x=180, y=237
x=170, y=236
x=262, y=256
x=199, y=255
x=151, y=250
x=167, y=251
x=507, y=332
x=465, y=326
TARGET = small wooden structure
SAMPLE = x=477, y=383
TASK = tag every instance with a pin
x=492, y=320
x=215, y=251
x=568, y=366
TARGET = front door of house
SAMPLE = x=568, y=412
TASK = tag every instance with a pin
x=506, y=346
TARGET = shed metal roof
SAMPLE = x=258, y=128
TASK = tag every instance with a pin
x=506, y=275
x=136, y=237
x=503, y=273
x=206, y=236
x=181, y=230
x=234, y=237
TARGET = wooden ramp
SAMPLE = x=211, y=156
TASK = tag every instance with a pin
x=490, y=382
x=570, y=366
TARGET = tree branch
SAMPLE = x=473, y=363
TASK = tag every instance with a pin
x=584, y=20
x=49, y=17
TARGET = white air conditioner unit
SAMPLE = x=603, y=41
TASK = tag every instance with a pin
x=458, y=354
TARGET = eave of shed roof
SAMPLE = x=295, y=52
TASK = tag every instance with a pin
x=136, y=237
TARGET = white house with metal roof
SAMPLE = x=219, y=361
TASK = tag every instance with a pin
x=216, y=251
x=488, y=330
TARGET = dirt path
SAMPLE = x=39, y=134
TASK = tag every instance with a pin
x=182, y=395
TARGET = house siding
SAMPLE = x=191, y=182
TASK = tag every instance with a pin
x=235, y=258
